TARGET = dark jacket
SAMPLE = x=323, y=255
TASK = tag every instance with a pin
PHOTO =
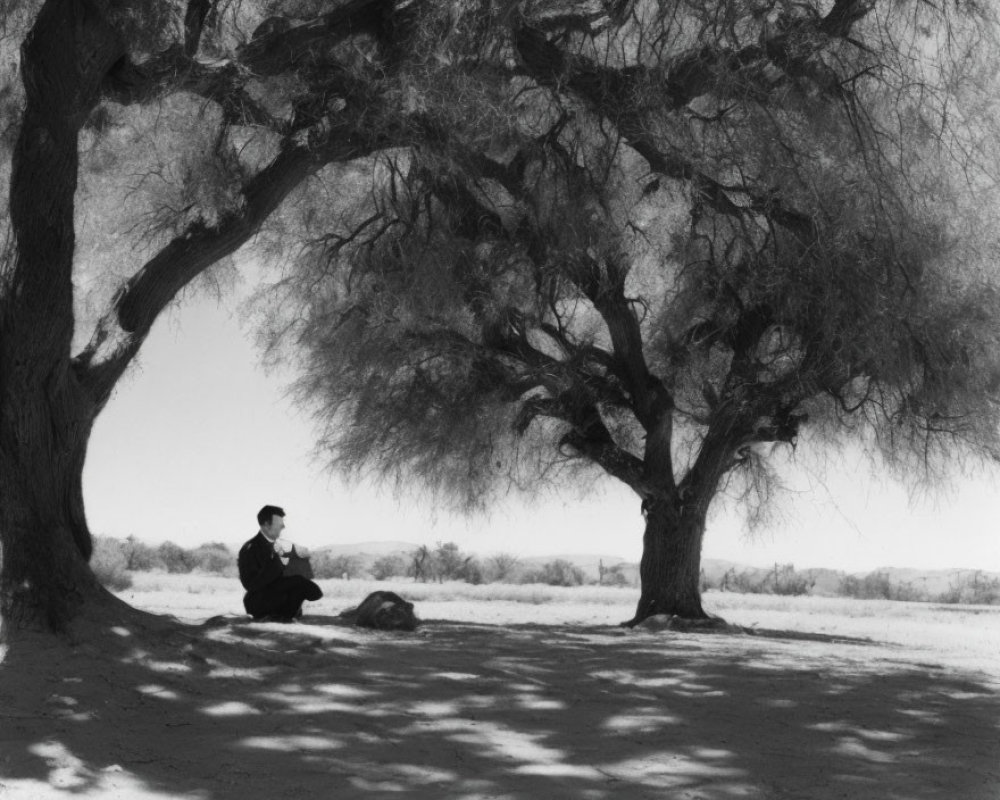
x=259, y=564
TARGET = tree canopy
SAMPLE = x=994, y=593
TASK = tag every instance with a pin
x=658, y=239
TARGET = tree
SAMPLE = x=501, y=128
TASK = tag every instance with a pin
x=139, y=556
x=344, y=567
x=181, y=127
x=501, y=567
x=451, y=564
x=615, y=575
x=658, y=241
x=556, y=573
x=110, y=564
x=213, y=557
x=423, y=566
x=388, y=566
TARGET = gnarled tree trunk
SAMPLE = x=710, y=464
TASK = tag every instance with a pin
x=45, y=424
x=46, y=414
x=670, y=568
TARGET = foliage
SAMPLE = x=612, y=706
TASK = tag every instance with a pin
x=388, y=566
x=877, y=586
x=215, y=558
x=974, y=588
x=658, y=244
x=501, y=568
x=326, y=565
x=555, y=573
x=452, y=564
x=781, y=580
x=140, y=557
x=612, y=576
x=175, y=558
x=785, y=581
x=421, y=567
x=769, y=242
x=446, y=562
x=110, y=564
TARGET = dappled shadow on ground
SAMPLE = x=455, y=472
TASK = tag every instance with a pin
x=230, y=711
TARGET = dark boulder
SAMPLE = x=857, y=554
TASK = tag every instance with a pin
x=384, y=611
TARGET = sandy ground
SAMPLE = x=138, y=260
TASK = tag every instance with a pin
x=504, y=708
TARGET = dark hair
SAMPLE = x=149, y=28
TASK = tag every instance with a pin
x=265, y=515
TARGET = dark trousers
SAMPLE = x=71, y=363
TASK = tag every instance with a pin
x=281, y=598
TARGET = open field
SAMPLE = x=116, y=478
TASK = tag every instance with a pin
x=506, y=692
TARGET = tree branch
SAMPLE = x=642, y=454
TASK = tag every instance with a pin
x=611, y=93
x=194, y=22
x=273, y=51
x=122, y=330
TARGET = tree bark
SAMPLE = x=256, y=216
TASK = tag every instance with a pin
x=670, y=568
x=45, y=424
x=45, y=414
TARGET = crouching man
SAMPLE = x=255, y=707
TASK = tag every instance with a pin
x=270, y=593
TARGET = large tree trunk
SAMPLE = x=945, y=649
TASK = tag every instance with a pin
x=45, y=424
x=670, y=568
x=45, y=414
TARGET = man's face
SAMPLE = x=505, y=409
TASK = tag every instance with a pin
x=272, y=530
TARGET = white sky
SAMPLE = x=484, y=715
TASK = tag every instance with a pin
x=199, y=437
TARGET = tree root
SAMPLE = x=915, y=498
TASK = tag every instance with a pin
x=673, y=622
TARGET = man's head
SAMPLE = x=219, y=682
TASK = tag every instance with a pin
x=271, y=520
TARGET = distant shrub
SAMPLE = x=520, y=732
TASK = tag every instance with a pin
x=786, y=581
x=877, y=586
x=388, y=566
x=422, y=566
x=974, y=588
x=446, y=562
x=556, y=573
x=612, y=576
x=781, y=580
x=449, y=562
x=214, y=558
x=327, y=565
x=109, y=563
x=141, y=557
x=501, y=568
x=745, y=582
x=175, y=558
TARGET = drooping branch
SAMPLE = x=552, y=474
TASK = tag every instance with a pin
x=590, y=438
x=122, y=330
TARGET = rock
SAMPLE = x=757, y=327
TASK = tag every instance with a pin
x=384, y=611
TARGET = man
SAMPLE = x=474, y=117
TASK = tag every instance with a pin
x=270, y=593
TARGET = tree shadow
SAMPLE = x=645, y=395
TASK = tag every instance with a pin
x=230, y=710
